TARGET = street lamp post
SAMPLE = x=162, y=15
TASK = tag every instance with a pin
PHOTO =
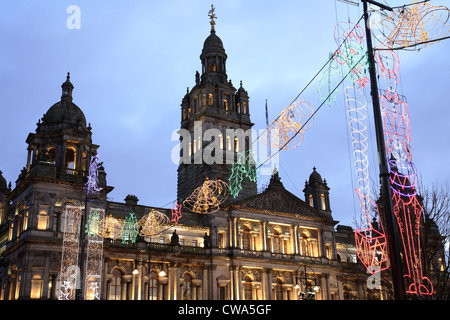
x=307, y=295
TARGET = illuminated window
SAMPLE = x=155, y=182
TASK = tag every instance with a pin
x=246, y=239
x=10, y=233
x=244, y=107
x=187, y=286
x=236, y=144
x=210, y=99
x=310, y=200
x=153, y=286
x=184, y=114
x=25, y=221
x=279, y=289
x=189, y=113
x=204, y=99
x=71, y=155
x=52, y=153
x=248, y=288
x=42, y=220
x=322, y=201
x=220, y=141
x=225, y=104
x=84, y=161
x=304, y=246
x=115, y=288
x=276, y=242
x=228, y=143
x=36, y=287
x=221, y=240
x=328, y=251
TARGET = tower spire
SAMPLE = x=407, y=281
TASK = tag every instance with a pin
x=212, y=17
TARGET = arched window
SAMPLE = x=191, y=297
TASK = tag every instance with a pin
x=322, y=202
x=246, y=238
x=42, y=220
x=52, y=153
x=305, y=246
x=279, y=289
x=310, y=198
x=115, y=289
x=153, y=286
x=187, y=286
x=347, y=293
x=210, y=99
x=276, y=242
x=70, y=159
x=36, y=287
x=248, y=288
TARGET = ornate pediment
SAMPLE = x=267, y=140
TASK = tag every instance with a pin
x=276, y=199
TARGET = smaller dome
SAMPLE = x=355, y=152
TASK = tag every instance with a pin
x=213, y=44
x=65, y=111
x=315, y=177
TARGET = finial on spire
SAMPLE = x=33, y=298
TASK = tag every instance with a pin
x=212, y=16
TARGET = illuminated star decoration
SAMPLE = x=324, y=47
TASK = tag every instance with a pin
x=130, y=229
x=243, y=167
x=92, y=179
x=208, y=197
x=152, y=223
x=176, y=212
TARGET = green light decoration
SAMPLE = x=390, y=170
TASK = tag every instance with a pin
x=244, y=167
x=95, y=224
x=130, y=229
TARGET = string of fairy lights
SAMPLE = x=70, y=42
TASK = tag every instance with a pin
x=413, y=26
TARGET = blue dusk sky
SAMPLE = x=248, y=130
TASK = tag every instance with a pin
x=131, y=62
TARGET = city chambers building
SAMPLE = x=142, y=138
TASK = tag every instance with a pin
x=268, y=245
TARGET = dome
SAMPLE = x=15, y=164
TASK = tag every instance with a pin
x=65, y=111
x=315, y=177
x=213, y=44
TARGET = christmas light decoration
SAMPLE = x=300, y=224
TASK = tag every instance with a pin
x=69, y=275
x=152, y=223
x=244, y=167
x=349, y=59
x=112, y=228
x=288, y=129
x=408, y=211
x=92, y=179
x=406, y=206
x=94, y=253
x=414, y=26
x=208, y=197
x=176, y=212
x=371, y=242
x=130, y=229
